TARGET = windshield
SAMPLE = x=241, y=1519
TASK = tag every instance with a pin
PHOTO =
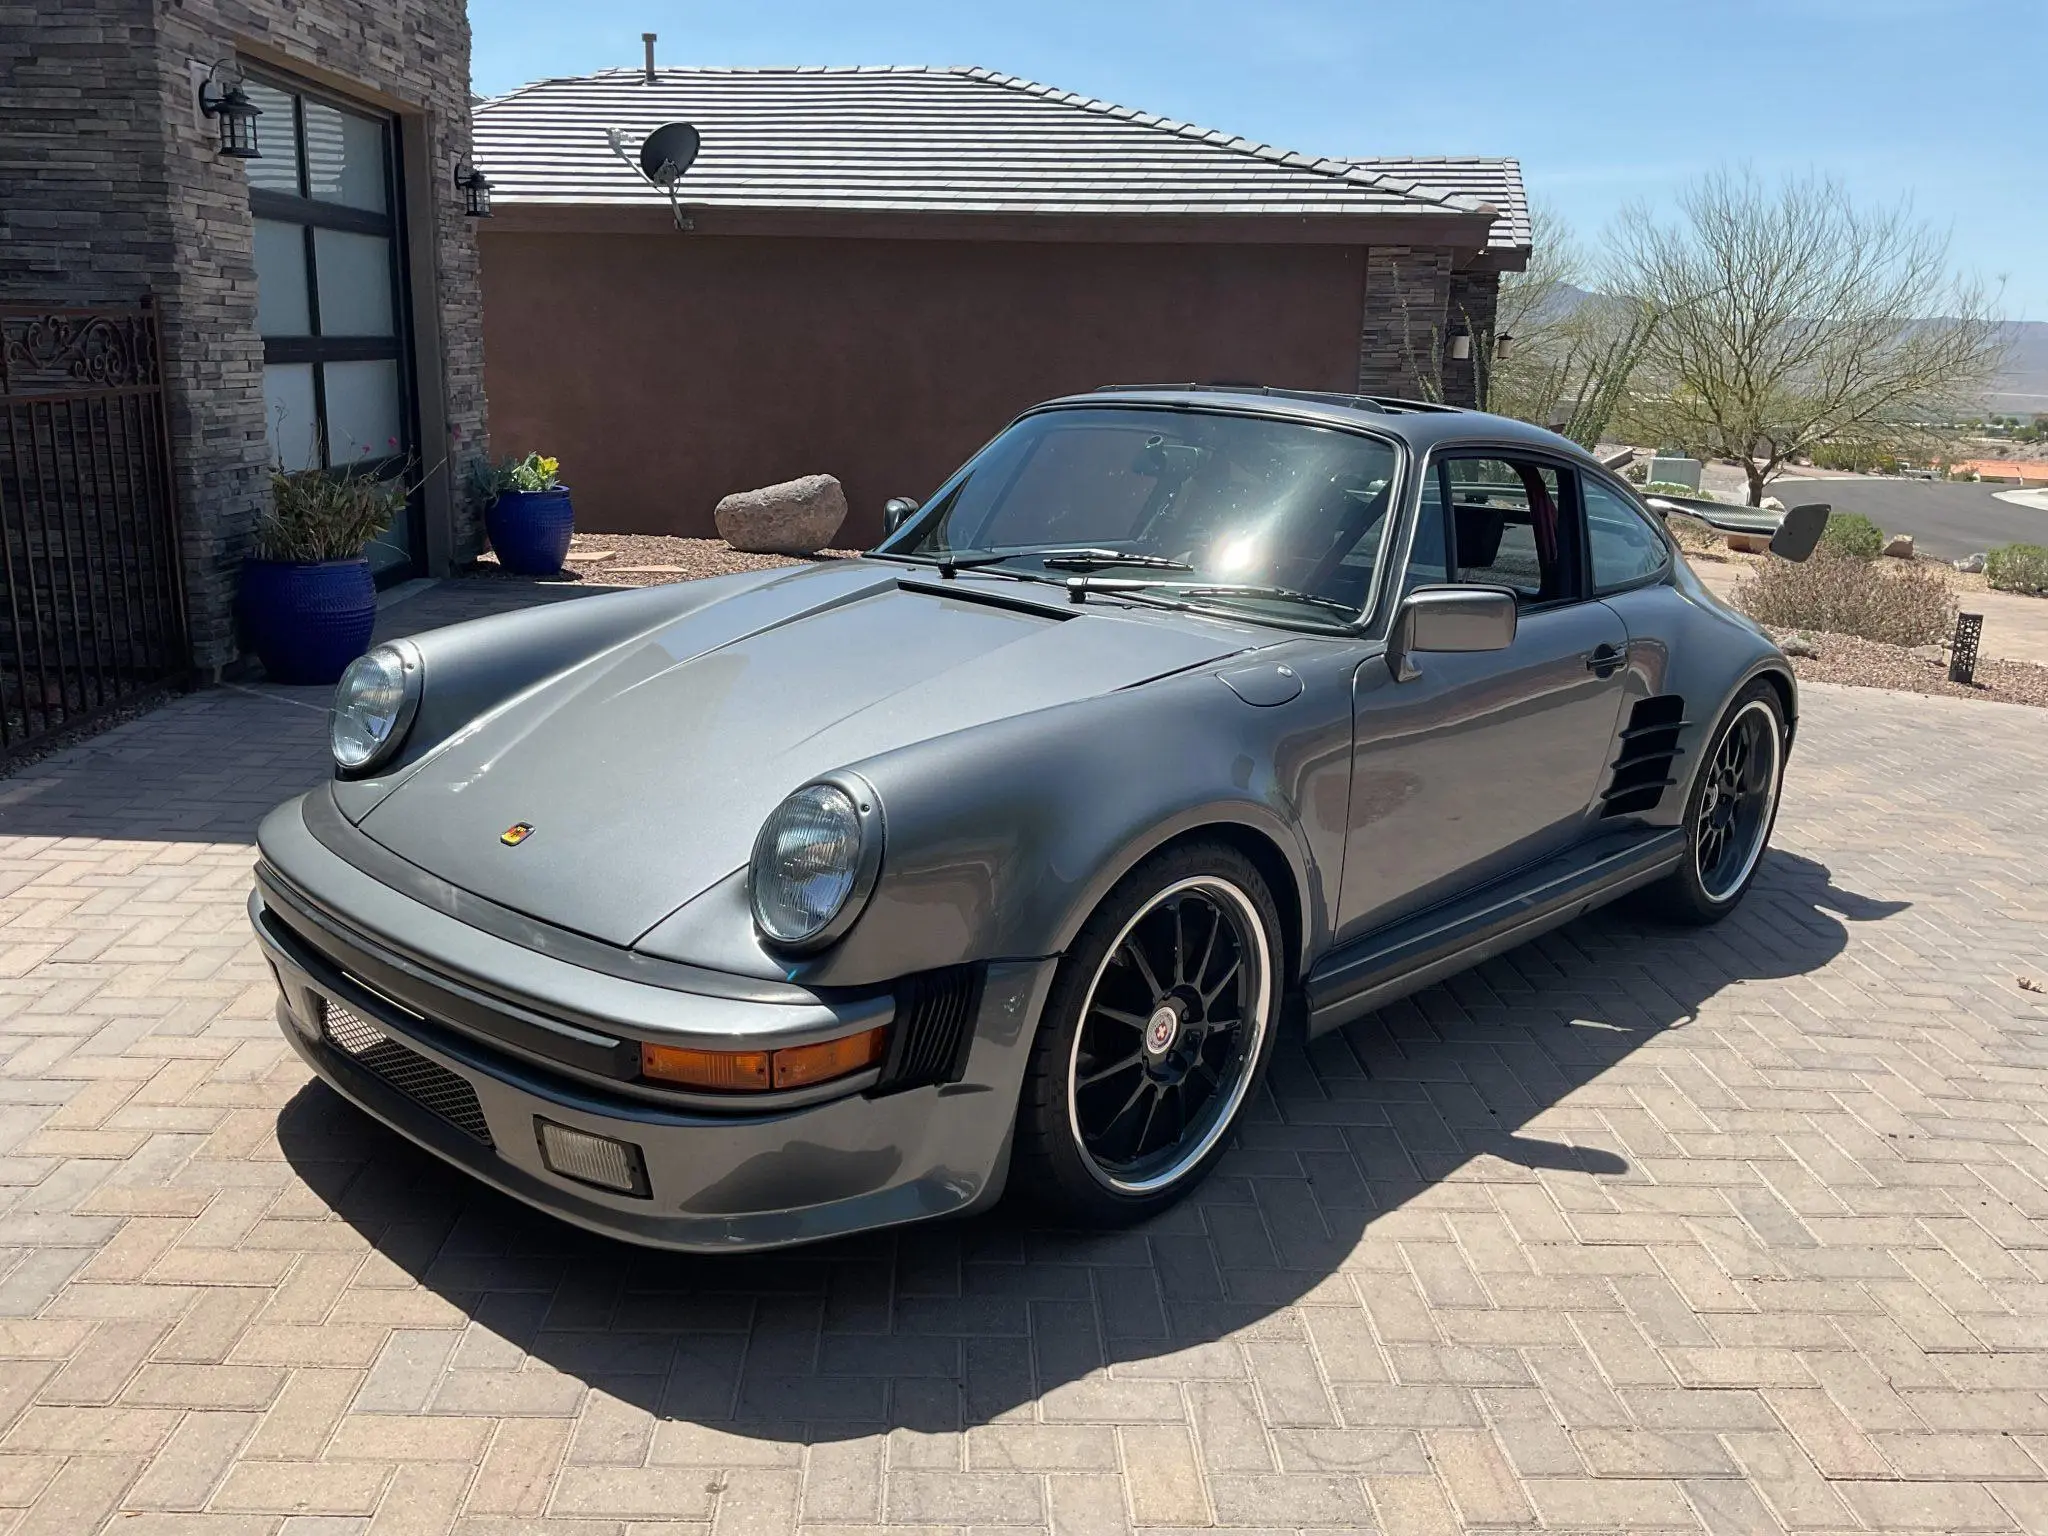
x=1273, y=517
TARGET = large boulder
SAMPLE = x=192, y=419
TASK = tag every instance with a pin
x=797, y=517
x=1899, y=546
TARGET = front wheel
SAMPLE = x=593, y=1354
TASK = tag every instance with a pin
x=1731, y=810
x=1156, y=1033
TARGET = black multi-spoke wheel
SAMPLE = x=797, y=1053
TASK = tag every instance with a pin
x=1159, y=1024
x=1729, y=814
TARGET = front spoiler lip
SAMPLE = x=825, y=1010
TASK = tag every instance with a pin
x=649, y=1227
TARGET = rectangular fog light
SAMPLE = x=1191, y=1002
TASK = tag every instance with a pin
x=592, y=1159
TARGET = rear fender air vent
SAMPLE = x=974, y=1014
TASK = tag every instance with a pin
x=934, y=1027
x=1649, y=754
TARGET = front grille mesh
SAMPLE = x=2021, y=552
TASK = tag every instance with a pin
x=428, y=1084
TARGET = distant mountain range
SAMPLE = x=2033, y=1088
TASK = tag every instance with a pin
x=2020, y=389
x=2023, y=385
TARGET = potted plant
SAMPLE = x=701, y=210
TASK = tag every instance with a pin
x=527, y=514
x=307, y=598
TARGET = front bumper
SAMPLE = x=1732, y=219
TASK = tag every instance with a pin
x=471, y=1072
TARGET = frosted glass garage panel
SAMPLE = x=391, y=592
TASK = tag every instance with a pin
x=276, y=168
x=344, y=158
x=281, y=308
x=363, y=414
x=288, y=415
x=355, y=283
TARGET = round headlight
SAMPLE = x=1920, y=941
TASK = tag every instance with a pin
x=373, y=705
x=815, y=855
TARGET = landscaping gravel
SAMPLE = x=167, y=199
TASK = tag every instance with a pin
x=649, y=560
x=1922, y=669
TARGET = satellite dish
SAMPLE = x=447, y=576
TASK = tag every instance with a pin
x=664, y=155
x=668, y=152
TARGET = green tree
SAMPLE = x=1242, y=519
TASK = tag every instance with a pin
x=1790, y=317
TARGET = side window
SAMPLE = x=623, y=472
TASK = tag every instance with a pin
x=1508, y=527
x=1624, y=547
x=1428, y=562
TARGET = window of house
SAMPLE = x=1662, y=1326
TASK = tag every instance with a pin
x=330, y=298
x=1624, y=547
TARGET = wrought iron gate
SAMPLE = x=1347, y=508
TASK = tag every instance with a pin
x=94, y=609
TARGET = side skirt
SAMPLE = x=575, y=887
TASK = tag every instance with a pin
x=1379, y=967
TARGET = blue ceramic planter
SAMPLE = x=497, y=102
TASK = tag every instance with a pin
x=530, y=530
x=306, y=623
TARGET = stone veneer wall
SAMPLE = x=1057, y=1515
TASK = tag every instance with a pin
x=1474, y=301
x=111, y=187
x=1413, y=301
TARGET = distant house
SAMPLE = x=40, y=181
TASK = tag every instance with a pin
x=884, y=265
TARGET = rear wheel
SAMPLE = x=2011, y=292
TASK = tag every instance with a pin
x=1731, y=810
x=1157, y=1030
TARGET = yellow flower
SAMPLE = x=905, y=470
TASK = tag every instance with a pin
x=549, y=466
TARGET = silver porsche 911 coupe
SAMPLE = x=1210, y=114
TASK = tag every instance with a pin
x=755, y=910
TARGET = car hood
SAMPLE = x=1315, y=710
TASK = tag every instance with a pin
x=646, y=772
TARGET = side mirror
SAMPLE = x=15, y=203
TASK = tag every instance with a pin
x=897, y=511
x=1799, y=534
x=1449, y=619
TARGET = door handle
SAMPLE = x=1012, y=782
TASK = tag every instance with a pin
x=1604, y=659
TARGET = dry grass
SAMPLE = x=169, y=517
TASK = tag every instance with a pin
x=1695, y=537
x=1892, y=602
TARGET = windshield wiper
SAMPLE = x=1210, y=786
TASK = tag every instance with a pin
x=1101, y=559
x=1082, y=585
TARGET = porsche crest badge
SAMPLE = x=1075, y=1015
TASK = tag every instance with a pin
x=516, y=834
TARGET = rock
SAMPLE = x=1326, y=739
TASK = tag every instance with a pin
x=1749, y=543
x=797, y=517
x=1772, y=504
x=1936, y=655
x=1899, y=546
x=1970, y=565
x=1799, y=645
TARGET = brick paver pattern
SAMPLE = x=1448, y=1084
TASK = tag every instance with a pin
x=1633, y=1228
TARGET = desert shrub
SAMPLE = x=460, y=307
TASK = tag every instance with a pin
x=1853, y=534
x=2018, y=568
x=1888, y=601
x=1672, y=488
x=1637, y=472
x=1694, y=536
x=1855, y=458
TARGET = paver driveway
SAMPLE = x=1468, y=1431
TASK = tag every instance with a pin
x=1630, y=1229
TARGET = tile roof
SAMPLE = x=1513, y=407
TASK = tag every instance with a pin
x=912, y=140
x=1479, y=178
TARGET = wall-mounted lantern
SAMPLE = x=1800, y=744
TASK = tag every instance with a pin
x=1461, y=346
x=475, y=188
x=232, y=110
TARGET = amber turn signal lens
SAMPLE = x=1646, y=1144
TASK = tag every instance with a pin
x=804, y=1064
x=798, y=1066
x=705, y=1069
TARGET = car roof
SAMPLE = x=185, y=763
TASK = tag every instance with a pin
x=1419, y=423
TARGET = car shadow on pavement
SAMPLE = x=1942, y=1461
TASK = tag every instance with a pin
x=1502, y=1102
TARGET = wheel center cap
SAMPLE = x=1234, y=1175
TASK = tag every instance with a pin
x=1161, y=1029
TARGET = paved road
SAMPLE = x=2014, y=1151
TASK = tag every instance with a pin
x=1945, y=520
x=1737, y=1230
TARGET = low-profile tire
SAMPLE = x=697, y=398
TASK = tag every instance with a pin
x=1155, y=1036
x=1730, y=811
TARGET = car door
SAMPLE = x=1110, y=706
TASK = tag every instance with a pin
x=1486, y=761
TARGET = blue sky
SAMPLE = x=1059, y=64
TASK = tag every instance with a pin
x=1945, y=103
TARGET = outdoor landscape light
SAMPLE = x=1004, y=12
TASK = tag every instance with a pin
x=476, y=190
x=233, y=110
x=813, y=865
